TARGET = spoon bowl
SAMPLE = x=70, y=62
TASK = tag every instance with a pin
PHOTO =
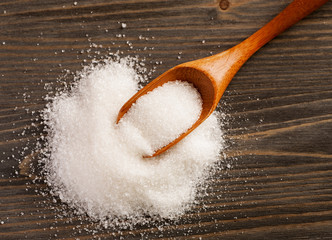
x=211, y=75
x=206, y=87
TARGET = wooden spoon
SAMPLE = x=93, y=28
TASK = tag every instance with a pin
x=211, y=75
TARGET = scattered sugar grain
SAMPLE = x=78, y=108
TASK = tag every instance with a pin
x=123, y=25
x=96, y=166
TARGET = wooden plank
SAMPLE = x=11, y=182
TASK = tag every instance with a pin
x=278, y=111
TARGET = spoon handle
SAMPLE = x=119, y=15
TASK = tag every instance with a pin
x=293, y=13
x=236, y=56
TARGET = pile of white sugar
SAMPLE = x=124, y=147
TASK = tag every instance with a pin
x=96, y=166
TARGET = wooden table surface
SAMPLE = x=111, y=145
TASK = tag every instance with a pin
x=278, y=107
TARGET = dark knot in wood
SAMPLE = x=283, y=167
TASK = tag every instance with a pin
x=224, y=4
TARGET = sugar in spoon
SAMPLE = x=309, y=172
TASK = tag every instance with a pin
x=211, y=75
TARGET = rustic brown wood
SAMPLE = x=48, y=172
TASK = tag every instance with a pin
x=212, y=75
x=278, y=109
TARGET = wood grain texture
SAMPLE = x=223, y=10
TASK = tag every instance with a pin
x=279, y=111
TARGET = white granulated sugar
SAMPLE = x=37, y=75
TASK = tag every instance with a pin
x=96, y=166
x=123, y=25
x=163, y=114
